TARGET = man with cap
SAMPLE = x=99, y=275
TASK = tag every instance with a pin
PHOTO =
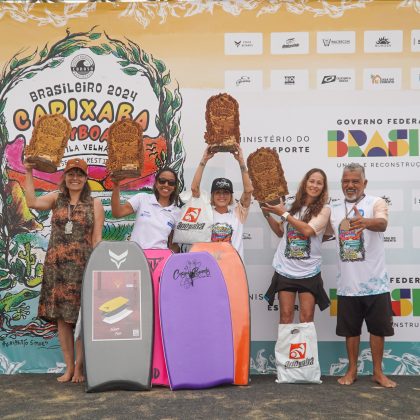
x=228, y=218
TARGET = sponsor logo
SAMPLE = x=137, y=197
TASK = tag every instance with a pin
x=289, y=79
x=82, y=66
x=118, y=259
x=289, y=43
x=192, y=214
x=378, y=80
x=243, y=43
x=383, y=41
x=341, y=42
x=405, y=302
x=329, y=41
x=357, y=143
x=415, y=40
x=387, y=200
x=297, y=351
x=382, y=78
x=336, y=79
x=299, y=363
x=328, y=79
x=187, y=226
x=154, y=262
x=415, y=197
x=390, y=239
x=243, y=79
x=191, y=272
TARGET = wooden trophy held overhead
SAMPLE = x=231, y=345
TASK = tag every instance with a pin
x=222, y=123
x=48, y=142
x=125, y=149
x=267, y=176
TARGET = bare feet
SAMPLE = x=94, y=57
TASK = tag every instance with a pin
x=382, y=380
x=348, y=379
x=66, y=377
x=78, y=374
x=78, y=378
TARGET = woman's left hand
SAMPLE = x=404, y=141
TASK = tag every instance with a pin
x=278, y=209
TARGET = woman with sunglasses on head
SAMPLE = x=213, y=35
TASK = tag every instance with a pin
x=76, y=227
x=297, y=261
x=156, y=214
x=228, y=218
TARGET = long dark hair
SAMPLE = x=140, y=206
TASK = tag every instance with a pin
x=174, y=197
x=313, y=208
x=84, y=195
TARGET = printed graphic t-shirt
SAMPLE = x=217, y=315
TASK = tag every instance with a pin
x=361, y=255
x=154, y=223
x=298, y=256
x=229, y=227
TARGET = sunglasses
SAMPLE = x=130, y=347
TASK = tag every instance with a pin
x=163, y=181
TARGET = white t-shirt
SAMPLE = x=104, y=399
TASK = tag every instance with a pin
x=361, y=256
x=298, y=256
x=229, y=227
x=154, y=223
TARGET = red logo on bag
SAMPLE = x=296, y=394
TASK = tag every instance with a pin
x=191, y=215
x=297, y=351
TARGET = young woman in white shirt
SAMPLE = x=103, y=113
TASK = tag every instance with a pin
x=228, y=218
x=156, y=213
x=297, y=261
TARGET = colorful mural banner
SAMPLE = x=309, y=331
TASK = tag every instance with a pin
x=317, y=92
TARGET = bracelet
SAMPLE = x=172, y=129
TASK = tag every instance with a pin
x=242, y=168
x=202, y=163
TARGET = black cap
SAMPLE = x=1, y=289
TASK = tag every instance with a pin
x=222, y=184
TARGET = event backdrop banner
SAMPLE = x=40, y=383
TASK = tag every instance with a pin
x=322, y=83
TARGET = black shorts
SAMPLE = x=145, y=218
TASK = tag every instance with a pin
x=376, y=310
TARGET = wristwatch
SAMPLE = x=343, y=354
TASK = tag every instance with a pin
x=284, y=216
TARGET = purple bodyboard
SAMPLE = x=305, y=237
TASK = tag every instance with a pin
x=196, y=322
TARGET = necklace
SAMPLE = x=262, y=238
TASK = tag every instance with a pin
x=68, y=228
x=345, y=223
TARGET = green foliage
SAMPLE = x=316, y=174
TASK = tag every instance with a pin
x=116, y=232
x=28, y=258
x=18, y=268
x=98, y=50
x=95, y=35
x=131, y=71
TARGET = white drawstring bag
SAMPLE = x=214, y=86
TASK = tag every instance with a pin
x=196, y=221
x=297, y=354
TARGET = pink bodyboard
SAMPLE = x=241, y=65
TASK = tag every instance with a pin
x=157, y=259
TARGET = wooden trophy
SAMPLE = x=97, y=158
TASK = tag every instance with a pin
x=125, y=149
x=222, y=123
x=48, y=142
x=267, y=176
